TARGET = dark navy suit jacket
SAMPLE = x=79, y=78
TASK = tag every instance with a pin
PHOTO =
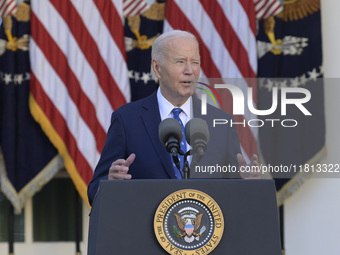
x=134, y=129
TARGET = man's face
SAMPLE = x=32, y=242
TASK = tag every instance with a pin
x=178, y=70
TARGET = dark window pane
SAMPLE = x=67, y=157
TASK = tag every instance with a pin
x=54, y=212
x=19, y=222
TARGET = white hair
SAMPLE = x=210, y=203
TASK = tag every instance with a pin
x=157, y=50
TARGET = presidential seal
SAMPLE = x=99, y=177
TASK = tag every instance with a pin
x=188, y=222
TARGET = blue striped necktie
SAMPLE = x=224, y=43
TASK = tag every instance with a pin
x=176, y=112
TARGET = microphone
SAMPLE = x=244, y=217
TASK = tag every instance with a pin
x=197, y=135
x=170, y=134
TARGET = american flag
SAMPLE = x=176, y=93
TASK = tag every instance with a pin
x=78, y=77
x=225, y=30
x=7, y=7
x=267, y=8
x=134, y=7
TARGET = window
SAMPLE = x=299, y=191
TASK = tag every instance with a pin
x=57, y=212
x=19, y=222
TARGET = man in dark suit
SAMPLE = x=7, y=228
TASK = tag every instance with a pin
x=133, y=149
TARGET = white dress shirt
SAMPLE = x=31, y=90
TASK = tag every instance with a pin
x=165, y=110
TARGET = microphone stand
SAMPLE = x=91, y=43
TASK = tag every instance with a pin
x=185, y=172
x=186, y=169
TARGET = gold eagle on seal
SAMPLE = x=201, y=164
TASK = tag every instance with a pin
x=189, y=226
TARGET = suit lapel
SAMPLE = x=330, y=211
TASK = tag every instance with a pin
x=196, y=104
x=151, y=119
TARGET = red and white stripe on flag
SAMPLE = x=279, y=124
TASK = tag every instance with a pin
x=267, y=8
x=79, y=76
x=134, y=7
x=225, y=30
x=7, y=7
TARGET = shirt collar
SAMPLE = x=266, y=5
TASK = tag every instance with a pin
x=165, y=107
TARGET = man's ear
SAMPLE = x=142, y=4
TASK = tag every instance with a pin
x=156, y=68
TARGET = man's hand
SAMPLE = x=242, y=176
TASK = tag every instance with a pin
x=250, y=171
x=120, y=167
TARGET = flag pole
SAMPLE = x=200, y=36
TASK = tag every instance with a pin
x=10, y=229
x=282, y=230
x=77, y=223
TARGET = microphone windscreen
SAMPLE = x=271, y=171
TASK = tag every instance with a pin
x=196, y=129
x=169, y=127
